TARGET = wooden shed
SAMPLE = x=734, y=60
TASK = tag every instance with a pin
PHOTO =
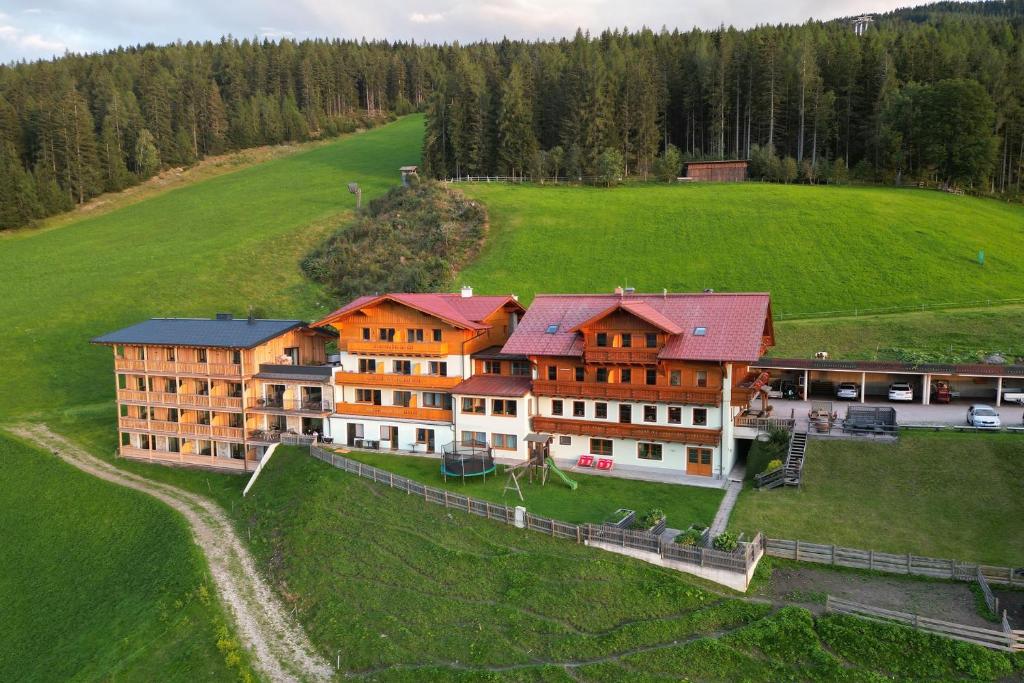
x=721, y=171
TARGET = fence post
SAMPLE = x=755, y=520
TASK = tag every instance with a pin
x=579, y=535
x=392, y=478
x=871, y=559
x=796, y=553
x=908, y=567
x=833, y=554
x=487, y=509
x=446, y=498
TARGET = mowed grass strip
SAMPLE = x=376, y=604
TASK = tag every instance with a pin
x=222, y=244
x=595, y=499
x=813, y=248
x=98, y=582
x=955, y=496
x=400, y=589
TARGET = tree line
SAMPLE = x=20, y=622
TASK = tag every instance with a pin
x=931, y=93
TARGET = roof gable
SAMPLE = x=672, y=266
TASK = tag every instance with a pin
x=638, y=309
x=456, y=310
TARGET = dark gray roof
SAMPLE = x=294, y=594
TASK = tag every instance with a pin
x=234, y=334
x=315, y=373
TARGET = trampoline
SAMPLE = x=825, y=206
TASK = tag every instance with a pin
x=466, y=460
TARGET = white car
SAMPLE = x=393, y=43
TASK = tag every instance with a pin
x=983, y=416
x=901, y=391
x=848, y=390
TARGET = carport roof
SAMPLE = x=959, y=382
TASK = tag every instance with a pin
x=978, y=369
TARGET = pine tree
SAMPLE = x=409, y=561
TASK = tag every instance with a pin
x=517, y=145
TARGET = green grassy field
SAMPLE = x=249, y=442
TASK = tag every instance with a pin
x=593, y=501
x=219, y=245
x=941, y=495
x=399, y=589
x=98, y=582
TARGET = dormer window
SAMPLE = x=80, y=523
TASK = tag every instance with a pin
x=552, y=328
x=700, y=332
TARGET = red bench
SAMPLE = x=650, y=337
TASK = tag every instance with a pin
x=604, y=464
x=585, y=461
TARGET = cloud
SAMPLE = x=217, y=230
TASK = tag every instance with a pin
x=14, y=37
x=421, y=18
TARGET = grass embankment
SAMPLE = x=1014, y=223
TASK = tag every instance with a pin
x=595, y=499
x=412, y=591
x=98, y=582
x=940, y=495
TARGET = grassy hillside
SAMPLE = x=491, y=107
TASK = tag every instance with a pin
x=98, y=582
x=939, y=495
x=814, y=248
x=403, y=590
x=218, y=245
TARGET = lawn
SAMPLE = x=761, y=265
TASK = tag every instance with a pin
x=223, y=244
x=98, y=582
x=398, y=589
x=593, y=501
x=814, y=248
x=940, y=495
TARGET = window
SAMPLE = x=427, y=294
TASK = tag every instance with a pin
x=437, y=334
x=625, y=376
x=492, y=367
x=503, y=407
x=627, y=340
x=601, y=411
x=556, y=407
x=675, y=378
x=579, y=409
x=474, y=438
x=367, y=365
x=200, y=355
x=506, y=442
x=414, y=335
x=438, y=368
x=388, y=433
x=236, y=356
x=648, y=451
x=402, y=398
x=366, y=334
x=437, y=399
x=700, y=416
x=474, y=405
x=234, y=419
x=293, y=353
x=650, y=413
x=552, y=373
x=702, y=378
x=386, y=334
x=601, y=446
x=368, y=396
x=578, y=374
x=521, y=368
x=602, y=375
x=565, y=441
x=651, y=339
x=602, y=339
x=625, y=413
x=700, y=332
x=142, y=354
x=403, y=367
x=424, y=435
x=675, y=415
x=552, y=328
x=651, y=376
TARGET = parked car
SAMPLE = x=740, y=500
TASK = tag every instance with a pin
x=942, y=392
x=983, y=416
x=901, y=391
x=848, y=390
x=1013, y=395
x=782, y=389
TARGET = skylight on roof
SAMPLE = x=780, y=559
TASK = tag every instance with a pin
x=700, y=332
x=552, y=328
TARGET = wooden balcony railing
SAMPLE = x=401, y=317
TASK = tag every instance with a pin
x=643, y=356
x=222, y=432
x=399, y=412
x=130, y=364
x=290, y=405
x=133, y=395
x=392, y=379
x=163, y=426
x=194, y=429
x=383, y=348
x=133, y=423
x=763, y=423
x=186, y=458
x=184, y=400
x=175, y=368
x=702, y=437
x=629, y=392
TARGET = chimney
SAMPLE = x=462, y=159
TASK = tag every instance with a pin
x=467, y=291
x=252, y=317
x=664, y=292
x=513, y=321
x=618, y=290
x=224, y=316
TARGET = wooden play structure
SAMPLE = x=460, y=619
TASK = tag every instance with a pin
x=537, y=465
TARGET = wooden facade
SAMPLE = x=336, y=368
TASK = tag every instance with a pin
x=717, y=171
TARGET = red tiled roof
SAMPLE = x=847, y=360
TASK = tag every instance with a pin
x=734, y=322
x=466, y=312
x=641, y=310
x=494, y=385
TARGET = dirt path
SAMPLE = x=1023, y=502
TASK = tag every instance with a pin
x=279, y=648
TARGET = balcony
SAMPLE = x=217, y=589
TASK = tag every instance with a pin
x=607, y=354
x=396, y=412
x=628, y=392
x=130, y=364
x=167, y=367
x=270, y=404
x=184, y=458
x=393, y=379
x=616, y=430
x=185, y=400
x=384, y=348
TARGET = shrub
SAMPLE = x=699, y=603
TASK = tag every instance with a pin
x=726, y=541
x=772, y=464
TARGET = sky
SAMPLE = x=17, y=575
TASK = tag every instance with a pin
x=33, y=29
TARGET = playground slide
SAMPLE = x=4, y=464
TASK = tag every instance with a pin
x=561, y=475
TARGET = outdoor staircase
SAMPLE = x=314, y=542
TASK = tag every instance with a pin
x=793, y=468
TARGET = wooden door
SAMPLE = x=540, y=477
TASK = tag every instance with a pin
x=698, y=461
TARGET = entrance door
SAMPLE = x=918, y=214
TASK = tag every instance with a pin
x=698, y=461
x=355, y=431
x=426, y=437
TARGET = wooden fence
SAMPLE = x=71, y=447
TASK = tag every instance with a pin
x=1005, y=639
x=740, y=560
x=990, y=600
x=892, y=563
